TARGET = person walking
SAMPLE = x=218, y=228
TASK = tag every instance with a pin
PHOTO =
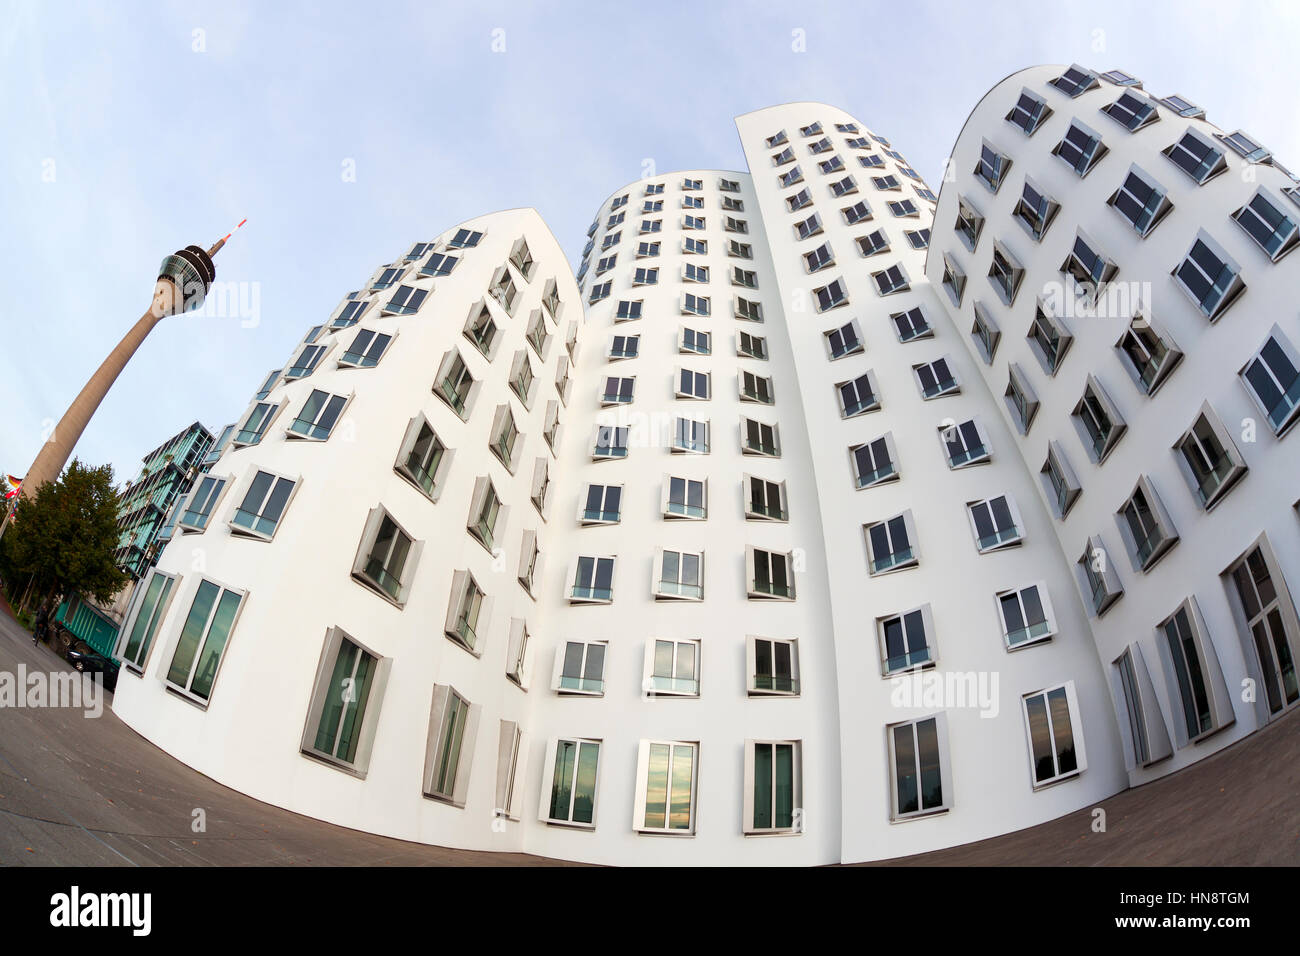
x=42, y=623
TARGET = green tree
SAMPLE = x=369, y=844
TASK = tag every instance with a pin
x=62, y=540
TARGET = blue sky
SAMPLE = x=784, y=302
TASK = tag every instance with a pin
x=129, y=135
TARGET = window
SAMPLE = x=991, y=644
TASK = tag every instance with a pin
x=652, y=225
x=758, y=438
x=1097, y=421
x=892, y=280
x=1132, y=111
x=693, y=340
x=809, y=227
x=800, y=199
x=203, y=639
x=593, y=581
x=421, y=457
x=694, y=273
x=833, y=165
x=481, y=329
x=905, y=643
x=345, y=703
x=918, y=238
x=1075, y=80
x=680, y=575
x=465, y=238
x=467, y=612
x=874, y=462
x=618, y=391
x=918, y=765
x=773, y=667
x=1029, y=113
x=523, y=380
x=936, y=378
x=1150, y=355
x=985, y=333
x=1020, y=398
x=1269, y=617
x=1145, y=526
x=751, y=346
x=739, y=250
x=1089, y=269
x=964, y=444
x=844, y=340
x=773, y=786
x=306, y=362
x=504, y=441
x=149, y=613
x=903, y=208
x=831, y=296
x=264, y=504
x=812, y=130
x=1189, y=671
x=886, y=182
x=996, y=523
x=602, y=504
x=871, y=161
x=611, y=442
x=1049, y=339
x=1035, y=210
x=645, y=250
x=819, y=147
x=755, y=388
x=438, y=264
x=1141, y=201
x=992, y=167
x=770, y=574
x=911, y=324
x=386, y=559
x=600, y=290
x=751, y=311
x=665, y=800
x=645, y=276
x=692, y=384
x=454, y=385
x=858, y=212
x=693, y=222
x=745, y=278
x=685, y=497
x=693, y=304
x=1209, y=277
x=1212, y=463
x=858, y=395
x=1182, y=107
x=1199, y=158
x=654, y=189
x=350, y=314
x=1269, y=225
x=541, y=485
x=1005, y=274
x=551, y=423
x=691, y=436
x=201, y=503
x=453, y=725
x=1059, y=482
x=819, y=258
x=1026, y=615
x=692, y=202
x=969, y=223
x=1051, y=723
x=696, y=247
x=844, y=187
x=1120, y=78
x=387, y=278
x=954, y=280
x=580, y=668
x=777, y=140
x=1245, y=146
x=764, y=500
x=1133, y=676
x=624, y=346
x=405, y=301
x=1081, y=149
x=1273, y=379
x=891, y=544
x=735, y=225
x=572, y=771
x=628, y=311
x=729, y=185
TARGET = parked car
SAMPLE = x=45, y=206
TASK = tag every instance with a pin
x=89, y=661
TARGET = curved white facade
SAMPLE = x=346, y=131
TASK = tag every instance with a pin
x=767, y=571
x=1142, y=213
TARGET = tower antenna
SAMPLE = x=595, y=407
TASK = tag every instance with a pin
x=222, y=241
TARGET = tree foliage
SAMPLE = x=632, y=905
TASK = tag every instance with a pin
x=63, y=538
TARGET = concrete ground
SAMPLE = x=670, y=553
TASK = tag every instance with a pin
x=79, y=792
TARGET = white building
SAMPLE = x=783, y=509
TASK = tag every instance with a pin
x=751, y=563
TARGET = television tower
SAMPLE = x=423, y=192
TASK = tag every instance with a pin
x=184, y=279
